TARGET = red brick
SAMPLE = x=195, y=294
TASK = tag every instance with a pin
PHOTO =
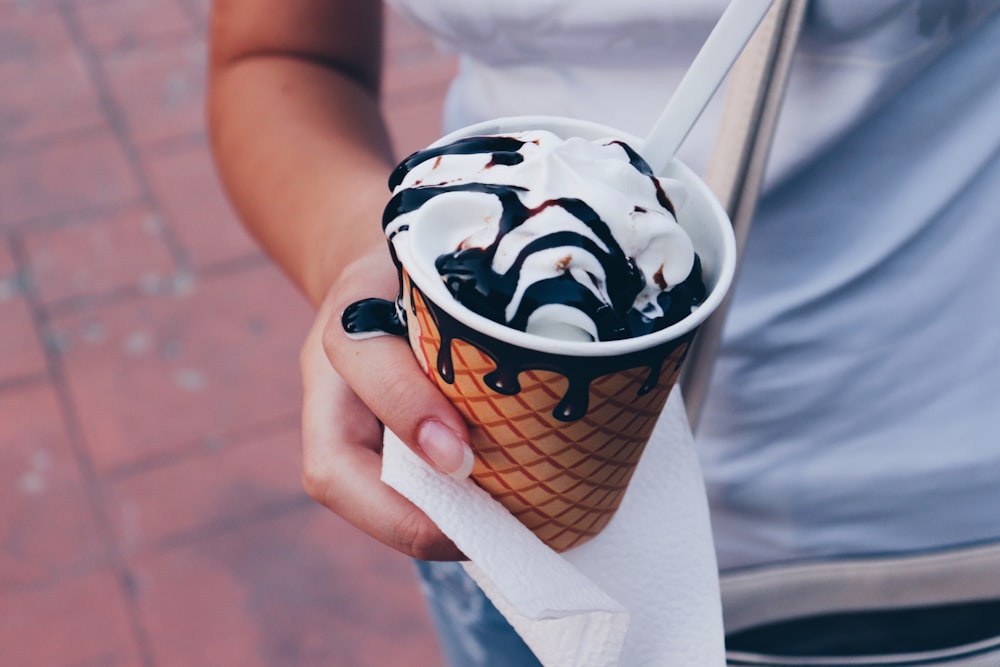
x=167, y=382
x=421, y=72
x=230, y=483
x=111, y=25
x=82, y=621
x=46, y=523
x=416, y=79
x=7, y=266
x=304, y=590
x=20, y=352
x=193, y=202
x=88, y=256
x=14, y=7
x=72, y=174
x=403, y=35
x=414, y=126
x=41, y=76
x=176, y=371
x=413, y=116
x=199, y=8
x=160, y=89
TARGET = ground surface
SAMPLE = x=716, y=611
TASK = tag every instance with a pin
x=150, y=506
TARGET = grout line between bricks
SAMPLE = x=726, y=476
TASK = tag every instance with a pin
x=119, y=127
x=269, y=512
x=118, y=123
x=194, y=15
x=88, y=473
x=233, y=439
x=14, y=150
x=170, y=286
x=176, y=143
x=23, y=382
x=88, y=213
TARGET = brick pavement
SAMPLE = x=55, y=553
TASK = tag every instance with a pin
x=150, y=506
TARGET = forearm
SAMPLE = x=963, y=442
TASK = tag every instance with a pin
x=303, y=154
x=301, y=147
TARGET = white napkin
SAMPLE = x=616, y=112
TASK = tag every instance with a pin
x=643, y=592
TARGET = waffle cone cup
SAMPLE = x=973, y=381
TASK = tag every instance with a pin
x=562, y=477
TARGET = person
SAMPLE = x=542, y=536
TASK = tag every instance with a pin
x=853, y=411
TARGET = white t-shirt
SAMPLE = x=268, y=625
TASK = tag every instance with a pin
x=855, y=407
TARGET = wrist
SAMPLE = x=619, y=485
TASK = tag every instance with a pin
x=370, y=274
x=352, y=240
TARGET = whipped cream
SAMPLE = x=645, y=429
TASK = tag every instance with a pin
x=571, y=239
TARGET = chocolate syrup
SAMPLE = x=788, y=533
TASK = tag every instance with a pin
x=373, y=315
x=643, y=168
x=469, y=276
x=512, y=360
x=504, y=150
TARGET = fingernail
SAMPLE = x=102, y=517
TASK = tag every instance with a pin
x=445, y=449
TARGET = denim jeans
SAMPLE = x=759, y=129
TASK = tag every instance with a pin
x=937, y=609
x=471, y=630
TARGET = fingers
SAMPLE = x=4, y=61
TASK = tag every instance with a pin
x=341, y=464
x=387, y=379
x=384, y=374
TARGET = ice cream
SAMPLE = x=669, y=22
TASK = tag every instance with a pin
x=568, y=238
x=550, y=287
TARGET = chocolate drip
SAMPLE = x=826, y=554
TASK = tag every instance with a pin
x=373, y=316
x=643, y=168
x=512, y=360
x=469, y=276
x=676, y=304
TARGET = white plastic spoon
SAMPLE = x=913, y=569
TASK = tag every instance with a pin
x=716, y=57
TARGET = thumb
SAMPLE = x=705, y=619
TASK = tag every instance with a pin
x=383, y=372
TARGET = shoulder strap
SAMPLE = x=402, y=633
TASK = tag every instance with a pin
x=735, y=172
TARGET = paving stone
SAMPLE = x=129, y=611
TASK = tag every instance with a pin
x=177, y=370
x=47, y=526
x=417, y=73
x=14, y=7
x=191, y=198
x=228, y=482
x=160, y=89
x=304, y=589
x=87, y=256
x=121, y=25
x=403, y=35
x=7, y=265
x=414, y=126
x=200, y=9
x=76, y=173
x=21, y=354
x=182, y=377
x=79, y=622
x=41, y=76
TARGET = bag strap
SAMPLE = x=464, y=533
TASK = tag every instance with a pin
x=736, y=166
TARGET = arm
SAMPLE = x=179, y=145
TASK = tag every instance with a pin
x=304, y=155
x=295, y=124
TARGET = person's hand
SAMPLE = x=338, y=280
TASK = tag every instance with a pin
x=352, y=388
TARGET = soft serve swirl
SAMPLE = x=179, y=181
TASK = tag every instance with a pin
x=571, y=239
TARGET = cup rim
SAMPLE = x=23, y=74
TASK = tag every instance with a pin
x=433, y=288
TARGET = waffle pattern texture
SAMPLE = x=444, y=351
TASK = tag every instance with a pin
x=563, y=480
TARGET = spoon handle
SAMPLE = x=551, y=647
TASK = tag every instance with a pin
x=706, y=73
